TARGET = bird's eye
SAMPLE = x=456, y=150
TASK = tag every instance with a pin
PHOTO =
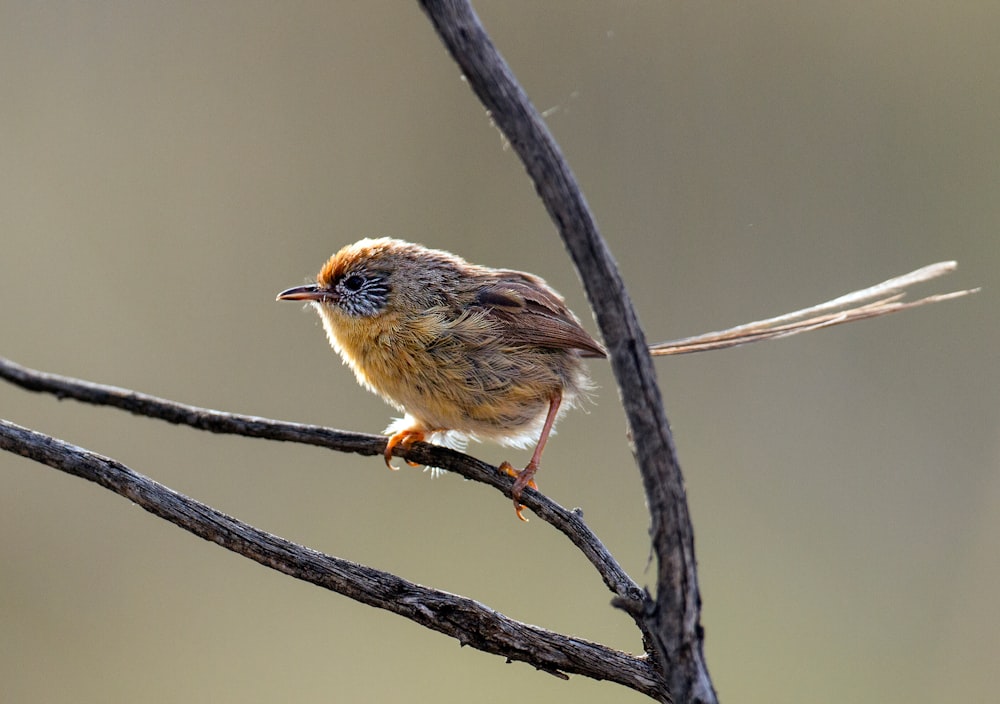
x=362, y=295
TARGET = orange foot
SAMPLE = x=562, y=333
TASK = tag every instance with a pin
x=522, y=479
x=404, y=438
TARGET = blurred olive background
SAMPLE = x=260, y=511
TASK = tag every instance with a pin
x=169, y=167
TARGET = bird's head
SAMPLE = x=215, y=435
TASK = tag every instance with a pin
x=356, y=282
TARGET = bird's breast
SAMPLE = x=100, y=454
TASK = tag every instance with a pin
x=458, y=375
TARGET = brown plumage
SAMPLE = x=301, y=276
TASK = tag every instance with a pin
x=465, y=351
x=470, y=352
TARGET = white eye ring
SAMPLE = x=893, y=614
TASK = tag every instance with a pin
x=361, y=296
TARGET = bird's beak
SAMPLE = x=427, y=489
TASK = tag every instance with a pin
x=310, y=292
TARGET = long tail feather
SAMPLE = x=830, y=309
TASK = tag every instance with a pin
x=889, y=295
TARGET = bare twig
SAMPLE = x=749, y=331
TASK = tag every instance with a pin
x=567, y=522
x=674, y=622
x=468, y=621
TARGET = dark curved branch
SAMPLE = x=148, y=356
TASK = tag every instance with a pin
x=570, y=523
x=628, y=595
x=670, y=626
x=468, y=621
x=674, y=622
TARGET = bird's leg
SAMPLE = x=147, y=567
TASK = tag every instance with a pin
x=525, y=477
x=405, y=438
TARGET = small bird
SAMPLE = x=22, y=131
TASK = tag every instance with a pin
x=470, y=352
x=464, y=351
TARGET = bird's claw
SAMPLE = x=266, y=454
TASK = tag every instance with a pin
x=522, y=479
x=404, y=438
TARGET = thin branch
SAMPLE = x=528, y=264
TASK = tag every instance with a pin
x=569, y=523
x=468, y=621
x=674, y=622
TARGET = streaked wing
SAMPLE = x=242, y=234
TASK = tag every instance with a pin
x=533, y=314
